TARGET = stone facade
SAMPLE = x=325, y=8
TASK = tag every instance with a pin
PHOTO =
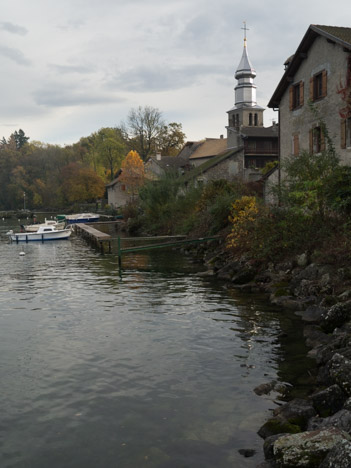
x=228, y=168
x=117, y=194
x=316, y=74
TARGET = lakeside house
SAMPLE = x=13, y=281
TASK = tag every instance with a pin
x=117, y=192
x=318, y=73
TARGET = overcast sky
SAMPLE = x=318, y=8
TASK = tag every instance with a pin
x=70, y=67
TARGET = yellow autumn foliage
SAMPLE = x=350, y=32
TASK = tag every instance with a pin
x=133, y=172
x=243, y=214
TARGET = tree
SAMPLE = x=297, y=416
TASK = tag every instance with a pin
x=133, y=173
x=20, y=138
x=111, y=149
x=81, y=184
x=144, y=126
x=171, y=139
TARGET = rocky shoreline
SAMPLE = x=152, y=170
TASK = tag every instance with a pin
x=314, y=431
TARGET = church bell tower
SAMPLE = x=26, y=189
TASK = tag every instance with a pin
x=246, y=112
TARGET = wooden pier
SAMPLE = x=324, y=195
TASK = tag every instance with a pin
x=99, y=239
x=93, y=236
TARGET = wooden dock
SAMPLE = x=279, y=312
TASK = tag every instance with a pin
x=93, y=236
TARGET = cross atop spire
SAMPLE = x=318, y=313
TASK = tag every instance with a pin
x=245, y=29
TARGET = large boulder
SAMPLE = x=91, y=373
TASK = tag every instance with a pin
x=328, y=401
x=341, y=420
x=312, y=314
x=307, y=449
x=244, y=276
x=290, y=418
x=297, y=411
x=339, y=456
x=339, y=343
x=336, y=316
x=340, y=372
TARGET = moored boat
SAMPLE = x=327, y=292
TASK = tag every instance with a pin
x=81, y=218
x=48, y=222
x=44, y=233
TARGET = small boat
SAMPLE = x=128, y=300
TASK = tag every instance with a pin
x=44, y=233
x=81, y=218
x=48, y=222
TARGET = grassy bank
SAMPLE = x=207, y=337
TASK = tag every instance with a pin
x=312, y=216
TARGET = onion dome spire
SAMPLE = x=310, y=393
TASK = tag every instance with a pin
x=245, y=91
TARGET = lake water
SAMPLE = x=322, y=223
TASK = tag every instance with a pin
x=154, y=368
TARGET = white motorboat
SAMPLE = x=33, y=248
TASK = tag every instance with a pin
x=44, y=233
x=47, y=222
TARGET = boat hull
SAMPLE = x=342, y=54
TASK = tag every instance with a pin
x=40, y=236
x=82, y=218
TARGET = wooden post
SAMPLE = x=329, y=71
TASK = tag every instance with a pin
x=119, y=252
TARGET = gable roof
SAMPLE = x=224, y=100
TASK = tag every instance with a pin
x=203, y=149
x=115, y=180
x=169, y=162
x=209, y=147
x=336, y=34
x=210, y=163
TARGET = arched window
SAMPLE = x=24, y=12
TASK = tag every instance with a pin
x=250, y=119
x=256, y=120
x=237, y=120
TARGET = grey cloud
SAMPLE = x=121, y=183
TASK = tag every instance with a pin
x=14, y=54
x=149, y=79
x=13, y=28
x=72, y=24
x=65, y=69
x=57, y=96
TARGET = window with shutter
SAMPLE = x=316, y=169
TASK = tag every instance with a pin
x=343, y=133
x=318, y=141
x=296, y=96
x=348, y=132
x=296, y=144
x=318, y=85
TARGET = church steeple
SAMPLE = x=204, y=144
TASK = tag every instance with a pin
x=246, y=112
x=245, y=91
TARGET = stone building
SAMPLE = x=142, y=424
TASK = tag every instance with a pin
x=318, y=73
x=117, y=192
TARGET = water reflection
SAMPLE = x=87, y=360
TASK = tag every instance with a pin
x=152, y=369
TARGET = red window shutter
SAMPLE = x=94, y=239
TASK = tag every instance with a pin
x=291, y=97
x=311, y=140
x=322, y=141
x=311, y=88
x=296, y=145
x=324, y=83
x=301, y=93
x=343, y=133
